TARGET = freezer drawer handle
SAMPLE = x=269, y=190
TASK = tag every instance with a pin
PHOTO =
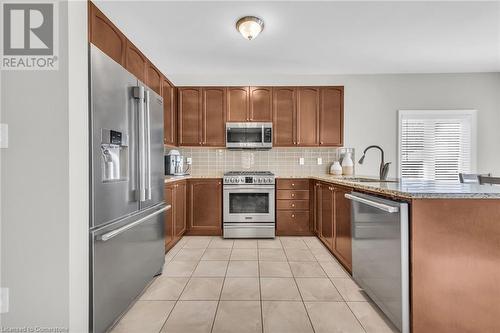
x=116, y=232
x=381, y=206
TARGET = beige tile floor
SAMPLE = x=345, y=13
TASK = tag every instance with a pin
x=289, y=284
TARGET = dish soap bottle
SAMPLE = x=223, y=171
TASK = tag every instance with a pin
x=336, y=169
x=347, y=165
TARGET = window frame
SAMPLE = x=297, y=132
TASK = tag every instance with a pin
x=441, y=114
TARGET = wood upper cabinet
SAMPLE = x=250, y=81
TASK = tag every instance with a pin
x=105, y=35
x=135, y=62
x=284, y=116
x=343, y=226
x=261, y=104
x=180, y=209
x=190, y=116
x=169, y=113
x=307, y=116
x=214, y=117
x=153, y=78
x=205, y=206
x=331, y=116
x=238, y=104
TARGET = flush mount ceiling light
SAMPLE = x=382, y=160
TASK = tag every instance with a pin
x=250, y=26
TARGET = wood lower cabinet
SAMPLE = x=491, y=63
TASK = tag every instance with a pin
x=105, y=35
x=293, y=214
x=169, y=113
x=342, y=223
x=175, y=217
x=261, y=104
x=238, y=104
x=204, y=206
x=284, y=116
x=332, y=220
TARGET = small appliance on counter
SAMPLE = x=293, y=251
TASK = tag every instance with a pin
x=174, y=164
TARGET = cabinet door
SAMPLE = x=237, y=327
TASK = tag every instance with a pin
x=169, y=113
x=317, y=208
x=214, y=117
x=153, y=78
x=327, y=214
x=205, y=207
x=343, y=227
x=104, y=35
x=331, y=116
x=237, y=104
x=261, y=102
x=284, y=117
x=190, y=115
x=307, y=116
x=180, y=209
x=292, y=222
x=169, y=217
x=135, y=62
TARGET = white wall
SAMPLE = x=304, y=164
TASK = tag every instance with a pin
x=372, y=101
x=44, y=186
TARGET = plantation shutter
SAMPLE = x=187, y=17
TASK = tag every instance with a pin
x=435, y=145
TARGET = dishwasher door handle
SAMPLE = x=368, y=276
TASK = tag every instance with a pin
x=381, y=206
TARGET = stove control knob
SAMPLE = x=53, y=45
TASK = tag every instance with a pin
x=233, y=180
x=261, y=180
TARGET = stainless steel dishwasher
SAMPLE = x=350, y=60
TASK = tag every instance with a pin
x=380, y=254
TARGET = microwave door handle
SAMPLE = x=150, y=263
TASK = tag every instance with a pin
x=262, y=135
x=139, y=95
x=148, y=146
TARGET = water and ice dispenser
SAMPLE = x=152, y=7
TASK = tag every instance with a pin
x=114, y=155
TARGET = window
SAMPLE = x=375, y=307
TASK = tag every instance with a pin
x=436, y=145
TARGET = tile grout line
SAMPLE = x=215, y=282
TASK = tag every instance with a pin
x=221, y=289
x=260, y=289
x=183, y=289
x=301, y=297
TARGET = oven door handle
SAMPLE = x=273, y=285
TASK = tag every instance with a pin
x=239, y=188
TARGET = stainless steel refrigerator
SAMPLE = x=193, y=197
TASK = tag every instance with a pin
x=127, y=204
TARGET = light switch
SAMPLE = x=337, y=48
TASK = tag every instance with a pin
x=4, y=136
x=301, y=161
x=320, y=161
x=189, y=160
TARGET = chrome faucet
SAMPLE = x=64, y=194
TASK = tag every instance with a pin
x=384, y=167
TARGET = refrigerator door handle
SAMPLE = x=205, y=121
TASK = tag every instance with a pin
x=107, y=236
x=139, y=94
x=148, y=145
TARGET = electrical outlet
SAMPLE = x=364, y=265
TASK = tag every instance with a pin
x=301, y=161
x=320, y=161
x=189, y=160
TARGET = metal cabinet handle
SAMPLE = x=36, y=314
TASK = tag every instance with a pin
x=293, y=184
x=381, y=206
x=293, y=195
x=293, y=216
x=293, y=205
x=107, y=236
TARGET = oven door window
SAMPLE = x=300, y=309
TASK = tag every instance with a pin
x=244, y=135
x=249, y=203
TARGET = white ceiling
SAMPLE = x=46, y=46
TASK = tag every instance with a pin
x=190, y=39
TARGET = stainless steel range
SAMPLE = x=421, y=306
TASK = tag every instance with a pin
x=248, y=204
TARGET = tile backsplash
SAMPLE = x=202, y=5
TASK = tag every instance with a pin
x=283, y=162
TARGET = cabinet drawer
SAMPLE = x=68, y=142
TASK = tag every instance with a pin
x=292, y=222
x=292, y=195
x=292, y=184
x=292, y=204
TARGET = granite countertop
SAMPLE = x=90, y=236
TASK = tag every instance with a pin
x=411, y=189
x=405, y=189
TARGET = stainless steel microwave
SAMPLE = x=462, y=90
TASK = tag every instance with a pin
x=249, y=135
